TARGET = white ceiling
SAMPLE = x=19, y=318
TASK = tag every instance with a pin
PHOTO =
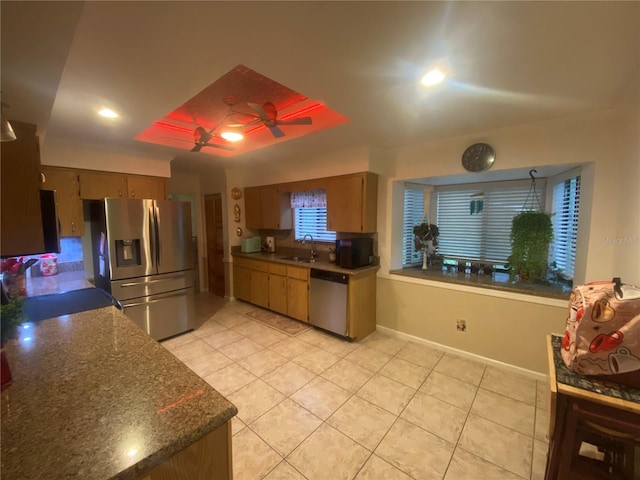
x=510, y=63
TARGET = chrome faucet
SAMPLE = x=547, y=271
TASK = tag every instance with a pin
x=314, y=253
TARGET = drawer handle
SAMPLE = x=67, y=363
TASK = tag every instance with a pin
x=135, y=284
x=137, y=304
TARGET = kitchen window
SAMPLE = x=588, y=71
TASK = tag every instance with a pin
x=565, y=209
x=413, y=215
x=474, y=220
x=313, y=221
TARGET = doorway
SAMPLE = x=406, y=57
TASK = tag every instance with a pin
x=215, y=248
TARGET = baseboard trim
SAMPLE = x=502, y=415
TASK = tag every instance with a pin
x=462, y=353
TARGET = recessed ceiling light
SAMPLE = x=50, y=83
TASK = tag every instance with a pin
x=108, y=113
x=232, y=136
x=432, y=77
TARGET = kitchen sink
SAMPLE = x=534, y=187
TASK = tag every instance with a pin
x=297, y=259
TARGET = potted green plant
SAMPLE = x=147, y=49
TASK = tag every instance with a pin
x=425, y=238
x=531, y=235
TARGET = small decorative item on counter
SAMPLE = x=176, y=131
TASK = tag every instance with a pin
x=49, y=264
x=332, y=255
x=14, y=280
x=475, y=268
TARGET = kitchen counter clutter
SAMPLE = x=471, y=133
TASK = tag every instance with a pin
x=93, y=396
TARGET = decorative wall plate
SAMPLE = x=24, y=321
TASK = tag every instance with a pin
x=236, y=193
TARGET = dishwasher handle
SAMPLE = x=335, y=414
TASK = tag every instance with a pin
x=329, y=276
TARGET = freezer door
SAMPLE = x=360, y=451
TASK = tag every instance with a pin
x=128, y=233
x=173, y=233
x=163, y=315
x=130, y=288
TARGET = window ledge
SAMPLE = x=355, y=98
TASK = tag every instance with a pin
x=489, y=284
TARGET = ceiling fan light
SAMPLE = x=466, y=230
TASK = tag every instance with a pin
x=231, y=136
x=432, y=77
x=108, y=113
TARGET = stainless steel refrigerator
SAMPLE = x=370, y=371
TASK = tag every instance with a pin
x=142, y=255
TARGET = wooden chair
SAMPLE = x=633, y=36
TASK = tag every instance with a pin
x=616, y=434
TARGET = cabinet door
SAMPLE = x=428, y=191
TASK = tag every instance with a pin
x=344, y=204
x=67, y=187
x=99, y=185
x=260, y=288
x=21, y=217
x=146, y=187
x=352, y=203
x=252, y=207
x=278, y=293
x=242, y=283
x=276, y=211
x=298, y=299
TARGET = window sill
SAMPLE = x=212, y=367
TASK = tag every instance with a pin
x=497, y=285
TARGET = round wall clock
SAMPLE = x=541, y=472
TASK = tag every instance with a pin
x=236, y=193
x=478, y=157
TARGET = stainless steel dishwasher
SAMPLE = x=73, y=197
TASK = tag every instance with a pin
x=328, y=300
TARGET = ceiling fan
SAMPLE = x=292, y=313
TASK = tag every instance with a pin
x=268, y=115
x=201, y=138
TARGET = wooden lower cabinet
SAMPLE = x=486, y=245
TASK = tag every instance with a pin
x=209, y=458
x=298, y=298
x=242, y=282
x=278, y=288
x=275, y=286
x=260, y=288
x=298, y=293
x=361, y=306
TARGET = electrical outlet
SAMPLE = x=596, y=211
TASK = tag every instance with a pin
x=461, y=325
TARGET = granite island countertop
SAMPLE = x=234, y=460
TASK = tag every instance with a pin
x=94, y=397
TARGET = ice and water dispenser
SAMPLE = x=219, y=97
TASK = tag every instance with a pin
x=128, y=253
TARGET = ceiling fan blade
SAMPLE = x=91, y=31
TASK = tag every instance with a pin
x=197, y=147
x=260, y=111
x=276, y=132
x=295, y=121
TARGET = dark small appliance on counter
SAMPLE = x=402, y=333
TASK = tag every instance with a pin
x=354, y=252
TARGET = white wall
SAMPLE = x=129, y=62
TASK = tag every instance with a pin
x=96, y=157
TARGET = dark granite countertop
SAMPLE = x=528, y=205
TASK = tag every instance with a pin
x=321, y=264
x=94, y=397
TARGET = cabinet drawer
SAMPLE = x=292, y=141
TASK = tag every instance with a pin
x=259, y=266
x=242, y=262
x=297, y=272
x=277, y=269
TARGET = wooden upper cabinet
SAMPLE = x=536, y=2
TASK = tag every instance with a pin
x=268, y=207
x=276, y=208
x=99, y=185
x=252, y=207
x=139, y=186
x=21, y=217
x=66, y=183
x=352, y=203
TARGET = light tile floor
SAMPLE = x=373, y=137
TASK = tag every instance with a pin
x=319, y=407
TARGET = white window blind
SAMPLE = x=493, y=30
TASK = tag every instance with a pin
x=475, y=220
x=565, y=208
x=413, y=215
x=313, y=221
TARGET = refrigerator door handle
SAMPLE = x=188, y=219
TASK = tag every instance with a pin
x=156, y=233
x=163, y=279
x=137, y=304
